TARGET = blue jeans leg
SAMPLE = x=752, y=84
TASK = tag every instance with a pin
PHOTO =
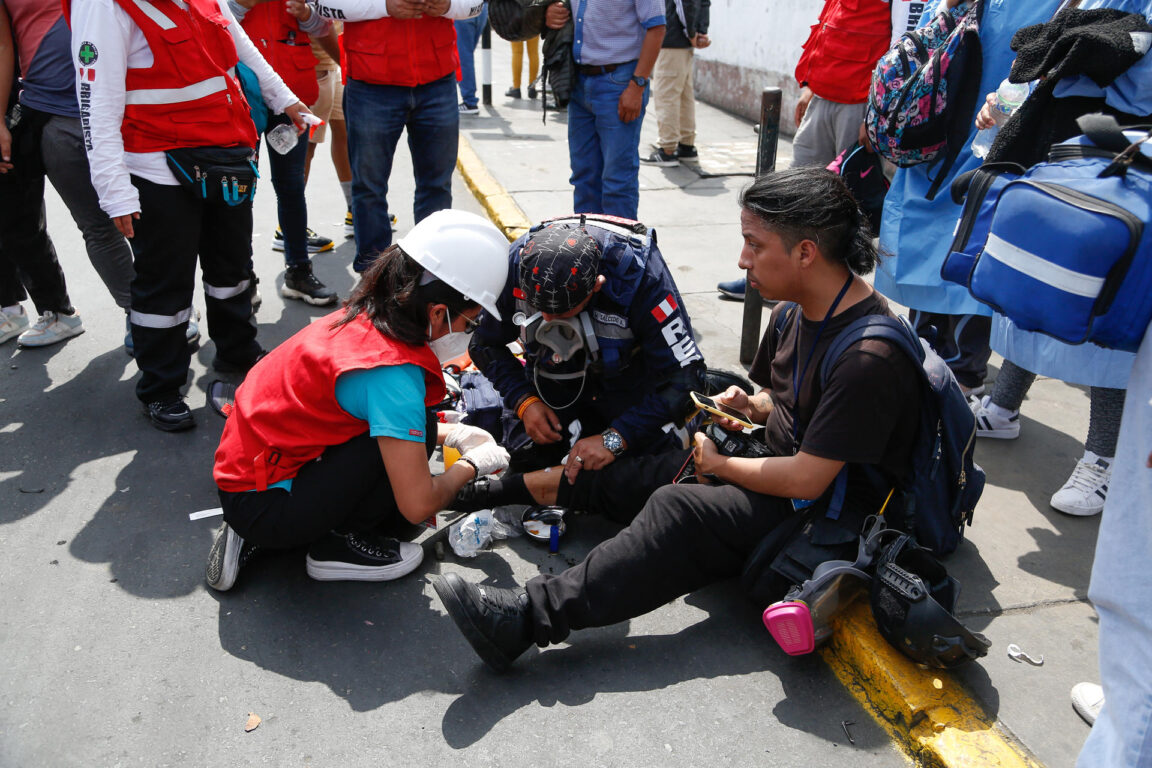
x=375, y=116
x=433, y=139
x=468, y=33
x=584, y=152
x=604, y=151
x=1121, y=591
x=287, y=172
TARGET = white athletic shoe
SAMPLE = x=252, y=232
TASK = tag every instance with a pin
x=12, y=323
x=1084, y=493
x=51, y=328
x=1088, y=700
x=994, y=421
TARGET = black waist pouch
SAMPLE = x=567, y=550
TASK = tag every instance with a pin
x=216, y=174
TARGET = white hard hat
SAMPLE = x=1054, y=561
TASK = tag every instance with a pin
x=463, y=250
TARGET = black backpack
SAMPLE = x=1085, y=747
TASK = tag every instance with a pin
x=517, y=20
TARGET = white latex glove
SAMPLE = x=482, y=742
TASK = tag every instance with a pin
x=489, y=458
x=465, y=437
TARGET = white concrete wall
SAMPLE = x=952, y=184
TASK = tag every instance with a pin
x=755, y=44
x=760, y=34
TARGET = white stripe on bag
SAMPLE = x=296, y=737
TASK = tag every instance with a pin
x=177, y=95
x=153, y=13
x=1060, y=278
x=226, y=292
x=145, y=320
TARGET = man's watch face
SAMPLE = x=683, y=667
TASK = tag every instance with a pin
x=613, y=442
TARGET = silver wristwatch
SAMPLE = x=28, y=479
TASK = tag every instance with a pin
x=613, y=441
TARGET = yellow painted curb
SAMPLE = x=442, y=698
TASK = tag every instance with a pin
x=925, y=711
x=501, y=208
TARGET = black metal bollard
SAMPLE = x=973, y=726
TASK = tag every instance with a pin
x=486, y=65
x=770, y=101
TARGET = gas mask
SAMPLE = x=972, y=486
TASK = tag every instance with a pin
x=568, y=347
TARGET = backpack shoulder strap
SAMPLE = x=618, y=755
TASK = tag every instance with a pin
x=897, y=331
x=894, y=330
x=781, y=322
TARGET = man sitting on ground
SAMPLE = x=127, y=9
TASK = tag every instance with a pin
x=805, y=241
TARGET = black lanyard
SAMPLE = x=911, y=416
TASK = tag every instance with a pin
x=798, y=380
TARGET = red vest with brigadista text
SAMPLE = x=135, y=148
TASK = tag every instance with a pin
x=406, y=52
x=286, y=411
x=276, y=33
x=189, y=96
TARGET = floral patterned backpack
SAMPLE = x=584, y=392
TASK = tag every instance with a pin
x=925, y=92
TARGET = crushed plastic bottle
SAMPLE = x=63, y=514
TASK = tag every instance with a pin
x=476, y=531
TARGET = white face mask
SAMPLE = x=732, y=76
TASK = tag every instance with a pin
x=449, y=346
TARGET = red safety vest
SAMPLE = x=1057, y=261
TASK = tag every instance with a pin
x=843, y=48
x=286, y=412
x=406, y=52
x=276, y=33
x=189, y=96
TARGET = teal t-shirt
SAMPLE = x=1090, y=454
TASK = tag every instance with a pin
x=390, y=398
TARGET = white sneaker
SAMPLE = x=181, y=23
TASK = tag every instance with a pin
x=994, y=421
x=51, y=328
x=1088, y=700
x=1084, y=493
x=12, y=324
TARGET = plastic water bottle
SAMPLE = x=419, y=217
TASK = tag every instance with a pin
x=1009, y=97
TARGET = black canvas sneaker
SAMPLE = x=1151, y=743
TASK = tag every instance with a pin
x=361, y=557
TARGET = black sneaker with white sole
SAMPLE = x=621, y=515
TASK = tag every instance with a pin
x=661, y=158
x=228, y=555
x=361, y=557
x=495, y=621
x=170, y=414
x=300, y=283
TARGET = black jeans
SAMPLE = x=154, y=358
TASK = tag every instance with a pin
x=346, y=490
x=176, y=226
x=684, y=538
x=27, y=256
x=621, y=489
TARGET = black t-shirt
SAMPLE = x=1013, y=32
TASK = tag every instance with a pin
x=866, y=415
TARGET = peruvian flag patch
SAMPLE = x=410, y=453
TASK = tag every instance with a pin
x=664, y=309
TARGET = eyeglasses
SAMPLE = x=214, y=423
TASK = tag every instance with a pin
x=470, y=324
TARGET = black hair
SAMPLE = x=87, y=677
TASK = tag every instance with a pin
x=391, y=296
x=813, y=204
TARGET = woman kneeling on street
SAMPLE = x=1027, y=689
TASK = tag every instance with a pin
x=328, y=442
